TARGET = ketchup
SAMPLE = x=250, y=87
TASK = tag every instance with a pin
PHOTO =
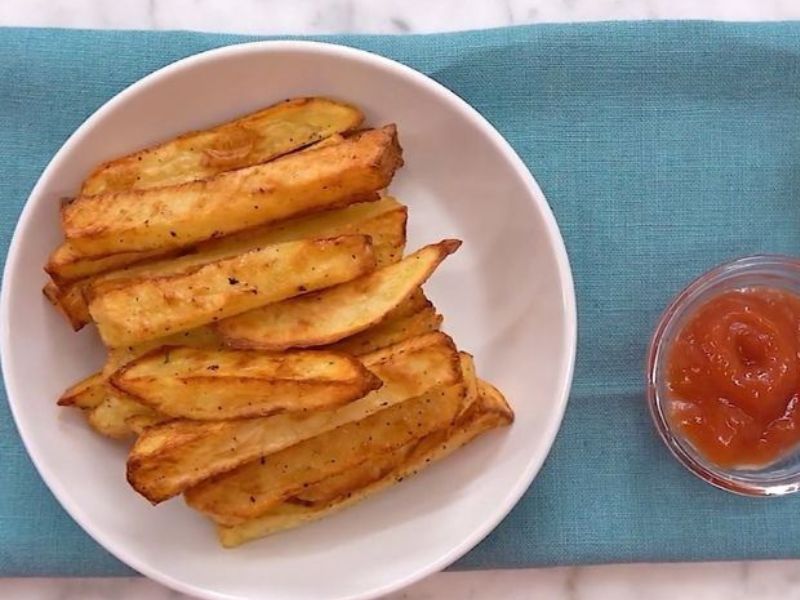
x=733, y=375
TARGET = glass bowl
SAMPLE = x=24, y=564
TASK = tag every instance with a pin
x=774, y=479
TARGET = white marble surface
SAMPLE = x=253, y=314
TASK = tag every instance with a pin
x=710, y=581
x=379, y=16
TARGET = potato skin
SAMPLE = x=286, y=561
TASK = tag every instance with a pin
x=212, y=384
x=148, y=308
x=185, y=214
x=169, y=458
x=255, y=138
x=332, y=314
x=379, y=473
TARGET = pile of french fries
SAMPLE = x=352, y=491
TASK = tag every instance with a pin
x=270, y=348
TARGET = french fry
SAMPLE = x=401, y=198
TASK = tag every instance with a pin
x=379, y=464
x=167, y=459
x=383, y=221
x=151, y=308
x=111, y=417
x=69, y=302
x=179, y=216
x=254, y=488
x=339, y=485
x=491, y=411
x=86, y=394
x=123, y=415
x=209, y=385
x=199, y=337
x=334, y=313
x=390, y=331
x=67, y=264
x=255, y=138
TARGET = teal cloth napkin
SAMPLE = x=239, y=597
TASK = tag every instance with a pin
x=663, y=148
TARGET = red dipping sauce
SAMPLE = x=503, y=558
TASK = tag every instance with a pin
x=733, y=376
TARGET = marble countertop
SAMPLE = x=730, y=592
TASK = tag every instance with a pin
x=365, y=16
x=704, y=581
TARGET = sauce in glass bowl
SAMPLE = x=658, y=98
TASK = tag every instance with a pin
x=733, y=376
x=723, y=376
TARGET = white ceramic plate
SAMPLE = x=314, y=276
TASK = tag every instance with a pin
x=507, y=296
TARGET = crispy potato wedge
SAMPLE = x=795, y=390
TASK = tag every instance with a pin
x=167, y=459
x=112, y=416
x=150, y=308
x=384, y=221
x=86, y=394
x=139, y=422
x=179, y=216
x=491, y=411
x=199, y=337
x=93, y=390
x=69, y=302
x=391, y=331
x=66, y=263
x=254, y=488
x=355, y=478
x=276, y=126
x=380, y=464
x=209, y=385
x=413, y=304
x=256, y=138
x=329, y=315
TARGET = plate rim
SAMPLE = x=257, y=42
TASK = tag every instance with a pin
x=556, y=241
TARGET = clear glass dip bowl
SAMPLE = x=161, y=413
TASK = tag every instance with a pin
x=775, y=479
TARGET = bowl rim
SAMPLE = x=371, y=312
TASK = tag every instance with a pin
x=677, y=307
x=552, y=232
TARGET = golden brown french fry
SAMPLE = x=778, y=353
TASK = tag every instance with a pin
x=390, y=331
x=69, y=302
x=139, y=422
x=95, y=389
x=209, y=385
x=380, y=464
x=491, y=411
x=277, y=129
x=254, y=488
x=87, y=393
x=384, y=221
x=112, y=416
x=199, y=337
x=339, y=485
x=334, y=313
x=151, y=308
x=256, y=138
x=179, y=216
x=67, y=263
x=167, y=459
